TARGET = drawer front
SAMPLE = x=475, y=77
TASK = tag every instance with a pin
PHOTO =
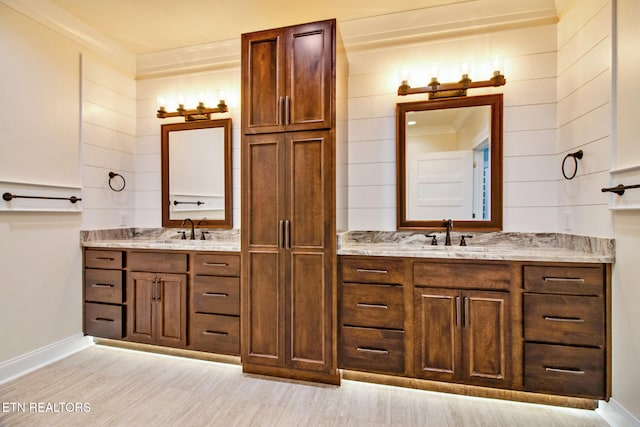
x=569, y=371
x=103, y=286
x=376, y=306
x=158, y=262
x=462, y=275
x=372, y=270
x=216, y=295
x=215, y=334
x=564, y=319
x=95, y=258
x=588, y=280
x=101, y=320
x=375, y=350
x=216, y=265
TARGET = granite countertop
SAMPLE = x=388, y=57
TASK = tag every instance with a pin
x=163, y=239
x=549, y=247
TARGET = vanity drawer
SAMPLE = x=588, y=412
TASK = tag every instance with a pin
x=570, y=371
x=564, y=319
x=588, y=280
x=376, y=306
x=103, y=286
x=375, y=350
x=216, y=265
x=215, y=334
x=462, y=275
x=219, y=295
x=102, y=259
x=102, y=320
x=158, y=262
x=372, y=270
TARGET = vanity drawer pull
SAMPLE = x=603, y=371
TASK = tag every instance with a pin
x=370, y=270
x=564, y=279
x=564, y=319
x=366, y=305
x=102, y=320
x=372, y=350
x=215, y=294
x=564, y=371
x=102, y=285
x=215, y=264
x=104, y=258
x=223, y=334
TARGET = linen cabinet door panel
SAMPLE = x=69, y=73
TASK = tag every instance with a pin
x=171, y=310
x=438, y=352
x=309, y=302
x=263, y=75
x=309, y=76
x=140, y=297
x=263, y=313
x=485, y=338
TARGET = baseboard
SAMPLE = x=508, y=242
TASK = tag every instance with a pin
x=21, y=365
x=617, y=415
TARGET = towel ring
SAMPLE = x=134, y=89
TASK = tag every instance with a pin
x=577, y=155
x=113, y=175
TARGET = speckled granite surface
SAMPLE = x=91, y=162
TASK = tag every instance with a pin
x=490, y=246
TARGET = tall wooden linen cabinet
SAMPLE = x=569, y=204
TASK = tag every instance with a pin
x=292, y=78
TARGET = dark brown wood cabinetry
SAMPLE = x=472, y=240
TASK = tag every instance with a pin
x=157, y=298
x=104, y=295
x=565, y=330
x=288, y=201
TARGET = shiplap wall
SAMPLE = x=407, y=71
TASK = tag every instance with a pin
x=108, y=134
x=530, y=147
x=585, y=116
x=148, y=176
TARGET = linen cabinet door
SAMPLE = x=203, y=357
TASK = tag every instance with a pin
x=171, y=310
x=263, y=268
x=141, y=289
x=486, y=338
x=263, y=82
x=438, y=347
x=309, y=65
x=308, y=240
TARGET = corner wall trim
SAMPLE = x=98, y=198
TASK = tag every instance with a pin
x=28, y=362
x=617, y=415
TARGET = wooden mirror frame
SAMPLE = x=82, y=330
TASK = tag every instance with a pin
x=496, y=154
x=228, y=195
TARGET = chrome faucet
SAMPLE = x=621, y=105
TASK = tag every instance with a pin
x=192, y=236
x=448, y=223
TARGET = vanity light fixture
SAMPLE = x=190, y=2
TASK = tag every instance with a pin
x=437, y=90
x=201, y=112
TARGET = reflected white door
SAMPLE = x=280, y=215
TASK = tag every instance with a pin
x=440, y=185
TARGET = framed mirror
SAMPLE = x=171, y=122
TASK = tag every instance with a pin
x=196, y=173
x=449, y=163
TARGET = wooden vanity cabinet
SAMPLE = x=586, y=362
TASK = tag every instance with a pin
x=372, y=335
x=462, y=323
x=214, y=314
x=157, y=298
x=104, y=296
x=565, y=330
x=287, y=78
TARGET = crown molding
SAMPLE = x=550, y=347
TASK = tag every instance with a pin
x=54, y=18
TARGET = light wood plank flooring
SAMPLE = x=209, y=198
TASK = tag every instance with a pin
x=129, y=388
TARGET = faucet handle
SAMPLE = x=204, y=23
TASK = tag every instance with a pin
x=464, y=242
x=434, y=241
x=184, y=236
x=203, y=235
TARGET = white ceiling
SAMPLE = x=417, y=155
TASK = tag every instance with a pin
x=143, y=26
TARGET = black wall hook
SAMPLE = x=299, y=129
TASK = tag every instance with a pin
x=576, y=156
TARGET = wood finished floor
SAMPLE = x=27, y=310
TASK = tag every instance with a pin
x=128, y=388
